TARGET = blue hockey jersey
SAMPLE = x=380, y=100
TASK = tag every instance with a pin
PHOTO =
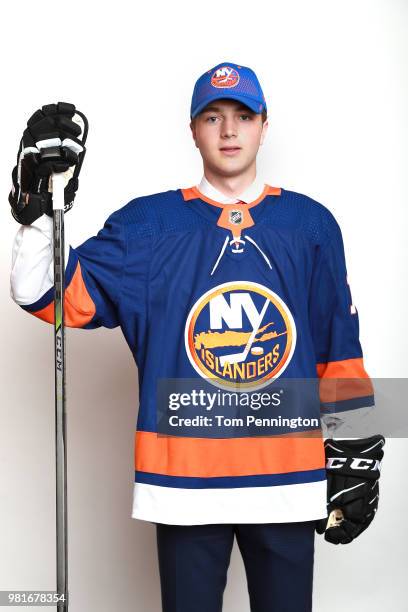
x=223, y=301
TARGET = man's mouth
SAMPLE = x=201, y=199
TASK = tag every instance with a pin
x=230, y=150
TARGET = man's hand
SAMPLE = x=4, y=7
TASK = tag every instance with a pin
x=353, y=472
x=53, y=141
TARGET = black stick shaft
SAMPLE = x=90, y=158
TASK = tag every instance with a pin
x=60, y=393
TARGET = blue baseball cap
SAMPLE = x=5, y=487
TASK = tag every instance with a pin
x=228, y=80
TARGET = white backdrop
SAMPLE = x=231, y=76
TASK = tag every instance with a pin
x=335, y=78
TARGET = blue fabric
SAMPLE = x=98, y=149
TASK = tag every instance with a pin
x=228, y=80
x=153, y=259
x=345, y=405
x=278, y=560
x=222, y=482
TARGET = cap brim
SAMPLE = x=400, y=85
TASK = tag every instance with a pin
x=252, y=104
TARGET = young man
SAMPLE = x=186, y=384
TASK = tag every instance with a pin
x=220, y=289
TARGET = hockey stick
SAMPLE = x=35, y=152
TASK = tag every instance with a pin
x=239, y=357
x=58, y=185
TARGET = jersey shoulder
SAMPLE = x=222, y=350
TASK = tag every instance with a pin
x=158, y=213
x=309, y=216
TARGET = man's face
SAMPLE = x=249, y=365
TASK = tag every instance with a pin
x=228, y=135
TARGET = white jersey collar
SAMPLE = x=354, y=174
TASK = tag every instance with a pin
x=250, y=194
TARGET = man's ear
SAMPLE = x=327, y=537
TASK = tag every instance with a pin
x=264, y=131
x=193, y=131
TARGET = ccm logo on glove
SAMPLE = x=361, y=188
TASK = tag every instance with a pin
x=334, y=463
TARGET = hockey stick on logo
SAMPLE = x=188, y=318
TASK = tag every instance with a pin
x=239, y=357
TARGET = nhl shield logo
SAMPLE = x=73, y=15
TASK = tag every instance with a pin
x=235, y=217
x=240, y=335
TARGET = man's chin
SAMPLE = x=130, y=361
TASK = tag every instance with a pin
x=229, y=167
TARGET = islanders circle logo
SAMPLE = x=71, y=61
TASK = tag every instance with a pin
x=240, y=335
x=225, y=77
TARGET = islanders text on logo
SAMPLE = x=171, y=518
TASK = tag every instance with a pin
x=225, y=77
x=240, y=335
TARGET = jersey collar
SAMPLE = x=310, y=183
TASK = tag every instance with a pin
x=212, y=208
x=250, y=194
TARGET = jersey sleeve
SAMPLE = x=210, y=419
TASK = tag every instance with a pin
x=344, y=384
x=93, y=274
x=32, y=270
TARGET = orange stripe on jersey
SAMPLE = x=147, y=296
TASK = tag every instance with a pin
x=207, y=457
x=342, y=380
x=192, y=193
x=79, y=307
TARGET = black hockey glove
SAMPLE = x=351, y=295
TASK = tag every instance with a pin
x=353, y=471
x=53, y=141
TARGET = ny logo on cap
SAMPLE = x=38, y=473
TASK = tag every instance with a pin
x=225, y=77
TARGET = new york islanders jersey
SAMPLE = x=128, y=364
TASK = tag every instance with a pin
x=239, y=300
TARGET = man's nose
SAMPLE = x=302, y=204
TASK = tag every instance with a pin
x=229, y=127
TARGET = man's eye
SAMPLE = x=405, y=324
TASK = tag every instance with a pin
x=210, y=119
x=247, y=117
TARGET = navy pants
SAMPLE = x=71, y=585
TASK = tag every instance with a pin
x=278, y=559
